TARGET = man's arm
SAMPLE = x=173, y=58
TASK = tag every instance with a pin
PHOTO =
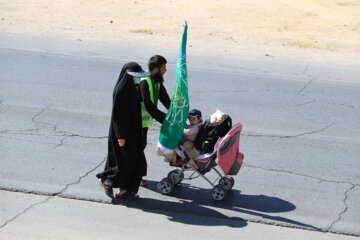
x=150, y=107
x=164, y=96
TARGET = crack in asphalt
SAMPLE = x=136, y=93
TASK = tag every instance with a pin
x=299, y=174
x=306, y=68
x=64, y=134
x=23, y=212
x=352, y=107
x=342, y=105
x=52, y=126
x=26, y=140
x=80, y=178
x=70, y=134
x=67, y=134
x=42, y=125
x=32, y=131
x=304, y=88
x=61, y=142
x=301, y=104
x=332, y=104
x=290, y=136
x=233, y=218
x=23, y=132
x=304, y=91
x=346, y=195
x=56, y=194
x=36, y=122
x=38, y=114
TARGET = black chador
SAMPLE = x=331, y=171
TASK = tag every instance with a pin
x=124, y=166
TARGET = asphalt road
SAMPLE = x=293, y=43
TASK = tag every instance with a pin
x=300, y=139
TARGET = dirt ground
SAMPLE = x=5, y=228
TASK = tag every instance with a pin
x=325, y=31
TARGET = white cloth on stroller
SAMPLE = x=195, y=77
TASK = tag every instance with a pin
x=169, y=153
x=165, y=152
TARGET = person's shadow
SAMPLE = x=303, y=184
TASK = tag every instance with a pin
x=198, y=201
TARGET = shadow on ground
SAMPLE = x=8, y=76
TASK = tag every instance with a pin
x=197, y=202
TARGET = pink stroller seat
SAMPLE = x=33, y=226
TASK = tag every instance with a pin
x=229, y=159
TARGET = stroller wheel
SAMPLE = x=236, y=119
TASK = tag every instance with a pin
x=218, y=193
x=175, y=176
x=165, y=186
x=227, y=182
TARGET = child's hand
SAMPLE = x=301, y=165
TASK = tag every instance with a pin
x=121, y=142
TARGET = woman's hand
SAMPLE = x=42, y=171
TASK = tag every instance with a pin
x=121, y=142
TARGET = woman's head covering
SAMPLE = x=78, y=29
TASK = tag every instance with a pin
x=137, y=72
x=129, y=70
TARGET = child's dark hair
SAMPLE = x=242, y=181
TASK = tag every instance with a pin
x=194, y=113
x=156, y=61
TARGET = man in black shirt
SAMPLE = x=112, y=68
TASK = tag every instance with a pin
x=152, y=90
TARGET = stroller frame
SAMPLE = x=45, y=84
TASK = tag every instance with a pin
x=175, y=177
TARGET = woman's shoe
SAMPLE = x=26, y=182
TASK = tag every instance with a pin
x=108, y=190
x=127, y=195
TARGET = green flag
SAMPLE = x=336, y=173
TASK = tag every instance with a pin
x=174, y=123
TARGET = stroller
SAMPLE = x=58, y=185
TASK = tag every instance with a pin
x=224, y=143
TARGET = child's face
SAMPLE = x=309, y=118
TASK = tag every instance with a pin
x=194, y=120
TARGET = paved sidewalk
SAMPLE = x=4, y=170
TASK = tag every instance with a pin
x=28, y=216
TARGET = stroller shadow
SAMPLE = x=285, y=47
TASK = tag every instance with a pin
x=190, y=201
x=183, y=212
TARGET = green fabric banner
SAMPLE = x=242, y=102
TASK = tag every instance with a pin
x=173, y=126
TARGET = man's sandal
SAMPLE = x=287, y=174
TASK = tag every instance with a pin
x=143, y=183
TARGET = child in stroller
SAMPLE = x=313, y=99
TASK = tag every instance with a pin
x=190, y=133
x=218, y=144
x=187, y=140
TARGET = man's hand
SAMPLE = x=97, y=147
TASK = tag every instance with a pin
x=121, y=142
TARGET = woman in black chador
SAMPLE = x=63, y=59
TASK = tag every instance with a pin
x=124, y=166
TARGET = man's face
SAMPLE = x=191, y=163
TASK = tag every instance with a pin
x=162, y=70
